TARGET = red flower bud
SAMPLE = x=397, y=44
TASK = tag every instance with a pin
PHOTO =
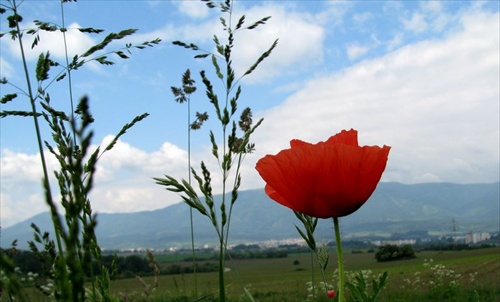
x=331, y=294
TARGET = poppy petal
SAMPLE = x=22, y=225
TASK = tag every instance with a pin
x=344, y=137
x=328, y=179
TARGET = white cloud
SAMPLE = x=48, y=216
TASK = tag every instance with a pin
x=355, y=50
x=21, y=185
x=300, y=42
x=153, y=3
x=416, y=23
x=19, y=167
x=77, y=43
x=20, y=205
x=123, y=180
x=361, y=18
x=431, y=16
x=432, y=6
x=6, y=69
x=193, y=9
x=395, y=42
x=435, y=102
x=334, y=13
x=125, y=175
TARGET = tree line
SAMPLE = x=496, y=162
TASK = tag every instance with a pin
x=133, y=265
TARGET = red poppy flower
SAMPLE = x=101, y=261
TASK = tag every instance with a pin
x=330, y=294
x=328, y=179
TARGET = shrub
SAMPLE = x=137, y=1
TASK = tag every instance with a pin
x=393, y=252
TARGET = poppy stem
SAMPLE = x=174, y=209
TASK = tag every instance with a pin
x=340, y=259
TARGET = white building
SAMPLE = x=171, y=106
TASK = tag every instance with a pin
x=472, y=238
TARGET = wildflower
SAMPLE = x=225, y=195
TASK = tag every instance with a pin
x=328, y=179
x=330, y=294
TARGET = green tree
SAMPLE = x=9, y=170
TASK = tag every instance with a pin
x=391, y=252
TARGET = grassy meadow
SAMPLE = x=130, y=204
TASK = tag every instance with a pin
x=471, y=275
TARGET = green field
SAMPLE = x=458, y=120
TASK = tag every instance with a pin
x=472, y=275
x=468, y=275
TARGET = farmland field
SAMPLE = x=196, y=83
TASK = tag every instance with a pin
x=472, y=275
x=467, y=275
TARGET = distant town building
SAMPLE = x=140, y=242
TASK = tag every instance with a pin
x=472, y=238
x=394, y=242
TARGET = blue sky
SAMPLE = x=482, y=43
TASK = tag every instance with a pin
x=422, y=77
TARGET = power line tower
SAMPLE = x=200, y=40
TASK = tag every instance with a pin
x=454, y=229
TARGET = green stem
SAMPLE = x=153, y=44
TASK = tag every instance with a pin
x=340, y=259
x=222, y=288
x=190, y=208
x=70, y=84
x=45, y=179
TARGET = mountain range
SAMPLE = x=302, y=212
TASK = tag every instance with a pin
x=437, y=208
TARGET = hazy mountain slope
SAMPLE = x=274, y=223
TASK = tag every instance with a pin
x=394, y=207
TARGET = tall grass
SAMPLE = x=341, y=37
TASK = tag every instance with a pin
x=231, y=141
x=67, y=258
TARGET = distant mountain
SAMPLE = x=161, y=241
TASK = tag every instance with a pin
x=393, y=208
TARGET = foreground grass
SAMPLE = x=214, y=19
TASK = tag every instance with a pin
x=476, y=277
x=472, y=275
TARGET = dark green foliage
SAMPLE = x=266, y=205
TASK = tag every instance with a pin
x=134, y=265
x=45, y=26
x=393, y=252
x=445, y=246
x=45, y=257
x=28, y=262
x=188, y=46
x=108, y=39
x=42, y=67
x=124, y=129
x=183, y=95
x=259, y=254
x=14, y=20
x=175, y=269
x=200, y=119
x=262, y=57
x=309, y=224
x=359, y=288
x=90, y=30
x=5, y=113
x=10, y=283
x=8, y=97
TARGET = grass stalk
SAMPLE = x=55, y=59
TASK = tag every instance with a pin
x=312, y=276
x=32, y=99
x=193, y=253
